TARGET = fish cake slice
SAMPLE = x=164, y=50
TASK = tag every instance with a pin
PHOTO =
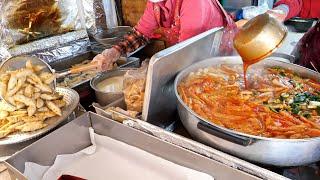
x=39, y=103
x=31, y=110
x=28, y=91
x=4, y=114
x=13, y=126
x=54, y=108
x=38, y=68
x=43, y=109
x=45, y=115
x=60, y=103
x=44, y=88
x=19, y=112
x=6, y=107
x=32, y=126
x=15, y=118
x=47, y=77
x=27, y=101
x=49, y=97
x=34, y=118
x=4, y=134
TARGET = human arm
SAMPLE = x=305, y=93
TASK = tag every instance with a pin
x=140, y=36
x=131, y=41
x=291, y=7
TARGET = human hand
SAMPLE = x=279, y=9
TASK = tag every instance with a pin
x=106, y=59
x=241, y=22
x=278, y=14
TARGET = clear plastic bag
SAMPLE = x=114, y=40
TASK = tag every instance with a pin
x=134, y=87
x=230, y=30
x=253, y=11
x=226, y=46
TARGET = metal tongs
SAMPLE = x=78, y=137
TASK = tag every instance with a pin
x=19, y=62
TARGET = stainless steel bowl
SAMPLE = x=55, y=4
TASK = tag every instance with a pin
x=105, y=98
x=299, y=24
x=278, y=152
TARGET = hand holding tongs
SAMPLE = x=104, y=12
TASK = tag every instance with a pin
x=78, y=69
x=20, y=61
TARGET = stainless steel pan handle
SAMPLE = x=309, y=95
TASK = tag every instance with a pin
x=206, y=127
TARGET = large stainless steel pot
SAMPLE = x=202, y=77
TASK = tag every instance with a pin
x=278, y=152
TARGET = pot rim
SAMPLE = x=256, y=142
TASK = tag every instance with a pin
x=181, y=75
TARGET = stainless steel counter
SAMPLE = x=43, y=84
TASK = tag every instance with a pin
x=7, y=150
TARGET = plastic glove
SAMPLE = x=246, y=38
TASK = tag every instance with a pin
x=280, y=12
x=106, y=59
x=241, y=22
x=253, y=11
x=278, y=15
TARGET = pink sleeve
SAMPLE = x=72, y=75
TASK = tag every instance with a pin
x=197, y=17
x=147, y=23
x=294, y=7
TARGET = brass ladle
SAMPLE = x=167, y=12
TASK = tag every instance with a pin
x=259, y=38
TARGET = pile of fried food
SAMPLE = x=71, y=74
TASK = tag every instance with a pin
x=75, y=79
x=134, y=94
x=31, y=100
x=134, y=86
x=278, y=103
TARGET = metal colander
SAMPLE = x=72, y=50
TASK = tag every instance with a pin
x=19, y=62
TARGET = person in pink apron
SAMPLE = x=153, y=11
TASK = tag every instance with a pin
x=171, y=20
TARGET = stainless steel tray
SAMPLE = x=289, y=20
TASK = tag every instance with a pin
x=74, y=136
x=70, y=96
x=63, y=64
x=6, y=151
x=203, y=150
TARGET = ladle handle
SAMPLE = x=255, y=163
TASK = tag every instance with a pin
x=82, y=68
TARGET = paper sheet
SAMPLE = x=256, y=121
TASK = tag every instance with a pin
x=111, y=159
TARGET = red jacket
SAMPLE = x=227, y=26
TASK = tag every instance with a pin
x=302, y=8
x=195, y=17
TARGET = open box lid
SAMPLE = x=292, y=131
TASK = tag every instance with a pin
x=163, y=68
x=74, y=136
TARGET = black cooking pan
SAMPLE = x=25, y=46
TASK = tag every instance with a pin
x=300, y=24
